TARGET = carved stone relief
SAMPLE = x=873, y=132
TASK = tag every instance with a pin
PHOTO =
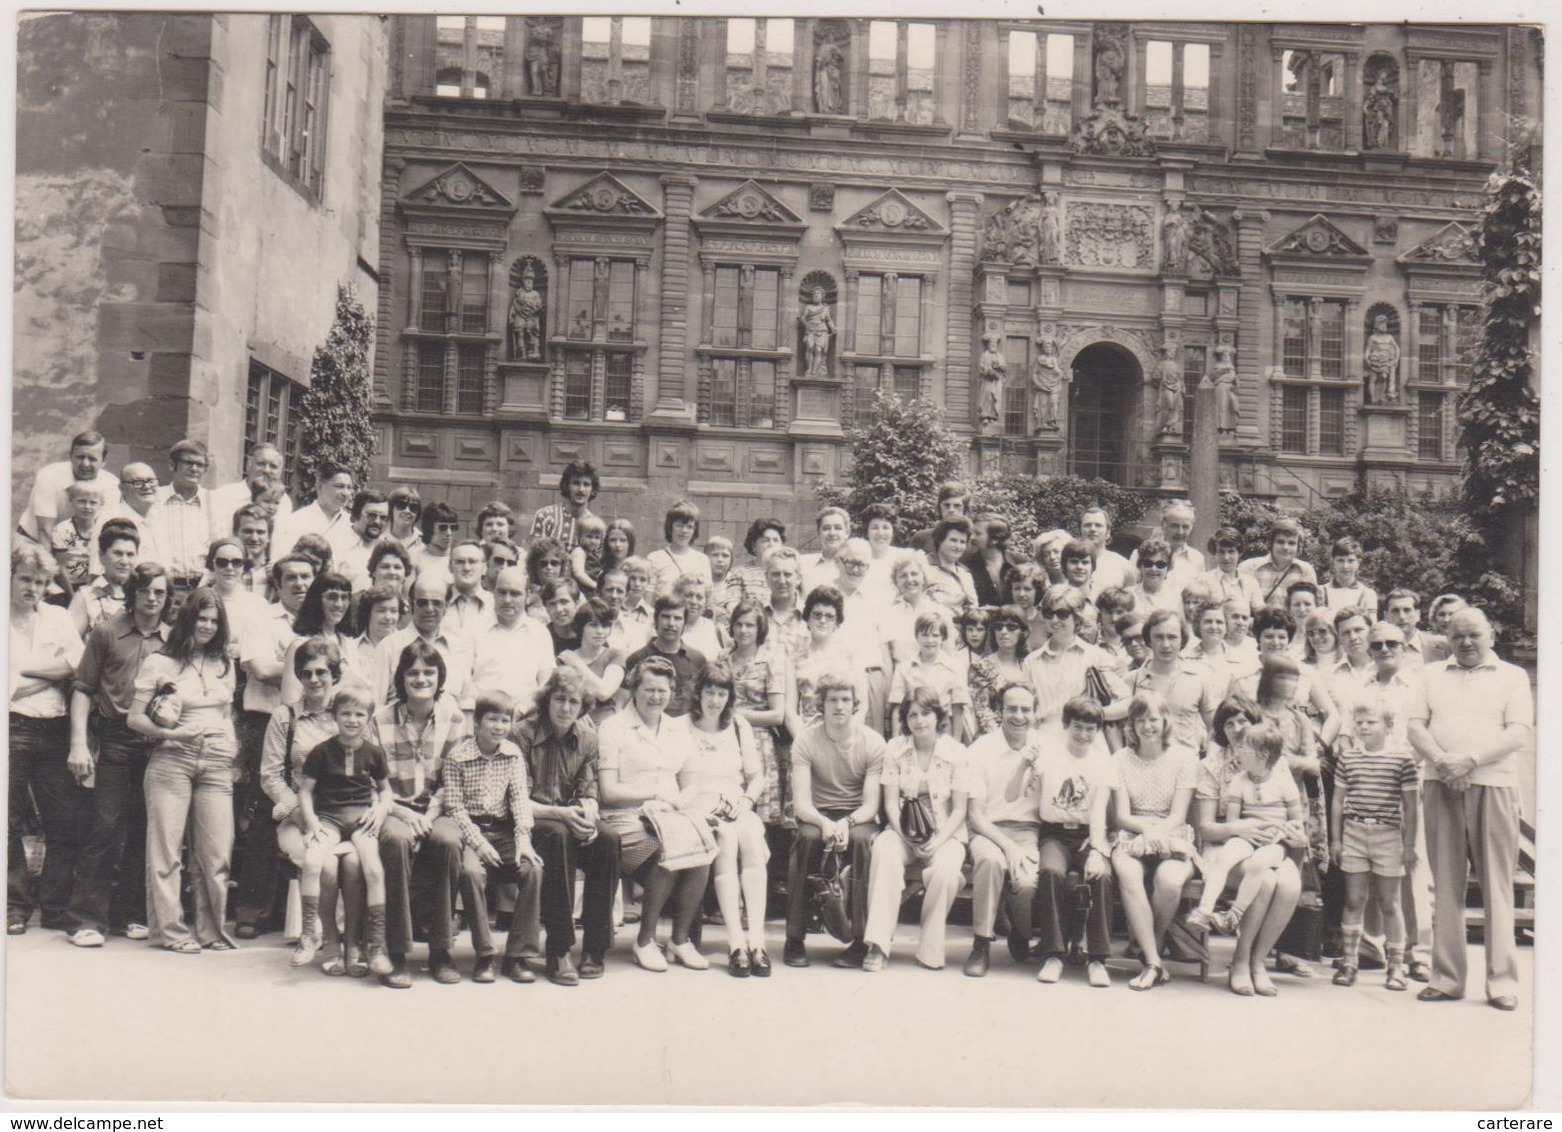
x=1385, y=229
x=1109, y=235
x=821, y=197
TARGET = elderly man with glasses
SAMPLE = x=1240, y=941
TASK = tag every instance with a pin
x=262, y=471
x=430, y=600
x=182, y=521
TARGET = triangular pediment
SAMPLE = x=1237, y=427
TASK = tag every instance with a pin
x=892, y=213
x=1318, y=239
x=605, y=195
x=459, y=187
x=1451, y=244
x=750, y=203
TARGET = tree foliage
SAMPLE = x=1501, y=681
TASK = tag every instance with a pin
x=334, y=410
x=1500, y=412
x=900, y=456
x=1033, y=505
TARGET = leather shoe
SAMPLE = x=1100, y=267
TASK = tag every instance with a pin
x=852, y=957
x=793, y=954
x=1419, y=971
x=591, y=966
x=399, y=978
x=738, y=964
x=1432, y=994
x=483, y=969
x=977, y=962
x=759, y=963
x=1019, y=948
x=561, y=972
x=1505, y=1002
x=246, y=931
x=518, y=972
x=443, y=969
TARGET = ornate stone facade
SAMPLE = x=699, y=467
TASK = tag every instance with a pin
x=724, y=291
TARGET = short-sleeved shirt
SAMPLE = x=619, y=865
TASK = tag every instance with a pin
x=1239, y=587
x=1151, y=785
x=48, y=498
x=65, y=539
x=838, y=771
x=724, y=761
x=1375, y=782
x=669, y=567
x=1191, y=693
x=51, y=638
x=114, y=652
x=1069, y=784
x=517, y=660
x=1272, y=580
x=947, y=774
x=941, y=677
x=280, y=763
x=344, y=778
x=1005, y=779
x=1268, y=800
x=644, y=756
x=1360, y=596
x=1466, y=708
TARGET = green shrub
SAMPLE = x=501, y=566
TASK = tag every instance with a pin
x=334, y=410
x=900, y=456
x=1034, y=505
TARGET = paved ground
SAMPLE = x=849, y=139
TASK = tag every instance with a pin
x=132, y=1023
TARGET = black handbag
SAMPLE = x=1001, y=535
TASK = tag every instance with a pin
x=827, y=893
x=916, y=822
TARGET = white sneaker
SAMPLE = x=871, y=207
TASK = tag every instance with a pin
x=685, y=954
x=137, y=931
x=86, y=937
x=1098, y=974
x=1051, y=971
x=650, y=956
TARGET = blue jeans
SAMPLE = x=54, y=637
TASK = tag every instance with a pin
x=189, y=787
x=110, y=888
x=38, y=751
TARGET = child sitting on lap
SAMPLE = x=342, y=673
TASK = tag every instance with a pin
x=1259, y=794
x=345, y=792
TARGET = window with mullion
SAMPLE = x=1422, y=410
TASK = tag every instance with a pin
x=270, y=416
x=1330, y=346
x=436, y=290
x=1429, y=425
x=474, y=293
x=1293, y=419
x=901, y=68
x=1293, y=350
x=1194, y=359
x=1429, y=344
x=1331, y=422
x=759, y=66
x=431, y=377
x=470, y=360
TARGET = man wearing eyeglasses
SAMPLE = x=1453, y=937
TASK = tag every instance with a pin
x=181, y=521
x=47, y=502
x=329, y=516
x=262, y=470
x=441, y=527
x=370, y=514
x=430, y=600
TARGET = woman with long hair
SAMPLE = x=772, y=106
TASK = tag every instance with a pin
x=724, y=781
x=189, y=779
x=601, y=667
x=326, y=613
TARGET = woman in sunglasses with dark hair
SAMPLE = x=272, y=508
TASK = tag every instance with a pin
x=406, y=508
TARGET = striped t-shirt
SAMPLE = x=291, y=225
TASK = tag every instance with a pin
x=1374, y=782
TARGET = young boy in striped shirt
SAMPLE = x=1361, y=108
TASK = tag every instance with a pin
x=1372, y=833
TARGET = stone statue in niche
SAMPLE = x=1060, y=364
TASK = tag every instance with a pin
x=1380, y=359
x=1174, y=239
x=1380, y=103
x=818, y=329
x=1046, y=387
x=1051, y=228
x=829, y=76
x=1111, y=58
x=1222, y=377
x=993, y=370
x=541, y=58
x=1168, y=402
x=525, y=316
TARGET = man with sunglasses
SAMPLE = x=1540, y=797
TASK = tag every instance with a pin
x=1059, y=669
x=262, y=470
x=1187, y=562
x=441, y=527
x=370, y=515
x=499, y=554
x=430, y=601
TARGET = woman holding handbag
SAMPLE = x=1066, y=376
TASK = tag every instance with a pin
x=926, y=786
x=642, y=753
x=722, y=783
x=184, y=700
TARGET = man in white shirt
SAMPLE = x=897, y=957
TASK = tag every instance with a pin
x=1187, y=563
x=328, y=516
x=1004, y=819
x=1112, y=569
x=865, y=637
x=370, y=514
x=47, y=504
x=1475, y=714
x=181, y=521
x=513, y=652
x=430, y=599
x=471, y=607
x=262, y=470
x=138, y=490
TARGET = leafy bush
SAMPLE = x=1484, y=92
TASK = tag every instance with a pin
x=1033, y=505
x=1251, y=518
x=899, y=456
x=334, y=410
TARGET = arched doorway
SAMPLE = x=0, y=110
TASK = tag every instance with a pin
x=1103, y=411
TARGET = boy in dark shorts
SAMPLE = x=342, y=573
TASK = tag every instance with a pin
x=344, y=792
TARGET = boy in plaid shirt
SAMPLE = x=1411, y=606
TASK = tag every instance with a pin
x=487, y=796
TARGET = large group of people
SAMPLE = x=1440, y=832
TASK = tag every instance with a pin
x=423, y=715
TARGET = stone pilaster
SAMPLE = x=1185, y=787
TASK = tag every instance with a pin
x=963, y=207
x=1256, y=337
x=672, y=405
x=390, y=187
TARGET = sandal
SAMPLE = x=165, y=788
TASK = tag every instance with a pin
x=1150, y=975
x=357, y=966
x=1346, y=976
x=219, y=945
x=336, y=965
x=1291, y=965
x=186, y=946
x=1395, y=979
